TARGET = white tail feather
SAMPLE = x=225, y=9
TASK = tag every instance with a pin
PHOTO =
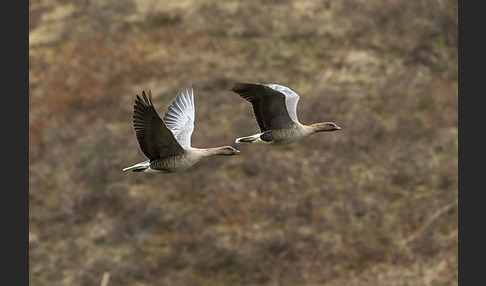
x=253, y=139
x=140, y=166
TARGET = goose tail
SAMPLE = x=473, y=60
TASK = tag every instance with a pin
x=252, y=139
x=140, y=167
x=245, y=140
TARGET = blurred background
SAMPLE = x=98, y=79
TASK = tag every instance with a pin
x=372, y=204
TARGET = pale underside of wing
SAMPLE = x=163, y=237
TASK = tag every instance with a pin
x=180, y=115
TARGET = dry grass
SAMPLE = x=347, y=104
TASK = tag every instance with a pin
x=373, y=204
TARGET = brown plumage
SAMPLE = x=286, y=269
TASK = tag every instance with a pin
x=167, y=142
x=275, y=110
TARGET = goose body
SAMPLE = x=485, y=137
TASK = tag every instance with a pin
x=275, y=110
x=166, y=143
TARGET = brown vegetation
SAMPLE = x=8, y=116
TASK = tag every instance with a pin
x=373, y=204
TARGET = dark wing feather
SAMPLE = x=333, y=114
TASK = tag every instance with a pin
x=154, y=138
x=268, y=105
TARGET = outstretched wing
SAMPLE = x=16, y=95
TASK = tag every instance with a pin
x=291, y=100
x=180, y=116
x=154, y=138
x=269, y=105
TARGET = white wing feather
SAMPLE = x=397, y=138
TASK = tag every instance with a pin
x=180, y=115
x=291, y=100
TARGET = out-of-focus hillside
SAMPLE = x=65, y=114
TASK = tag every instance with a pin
x=373, y=204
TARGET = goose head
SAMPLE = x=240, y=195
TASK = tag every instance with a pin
x=325, y=126
x=228, y=151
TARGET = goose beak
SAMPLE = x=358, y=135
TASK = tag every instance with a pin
x=236, y=152
x=337, y=128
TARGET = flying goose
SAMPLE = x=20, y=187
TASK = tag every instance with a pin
x=167, y=142
x=275, y=110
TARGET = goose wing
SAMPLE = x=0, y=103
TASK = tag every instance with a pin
x=180, y=116
x=291, y=100
x=269, y=105
x=154, y=138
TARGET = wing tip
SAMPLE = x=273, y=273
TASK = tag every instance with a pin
x=241, y=85
x=144, y=99
x=185, y=96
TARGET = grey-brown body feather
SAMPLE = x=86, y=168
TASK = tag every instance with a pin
x=286, y=136
x=179, y=162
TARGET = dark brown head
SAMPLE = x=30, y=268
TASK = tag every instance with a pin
x=228, y=151
x=325, y=126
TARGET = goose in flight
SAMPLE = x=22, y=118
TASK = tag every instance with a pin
x=275, y=110
x=167, y=142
